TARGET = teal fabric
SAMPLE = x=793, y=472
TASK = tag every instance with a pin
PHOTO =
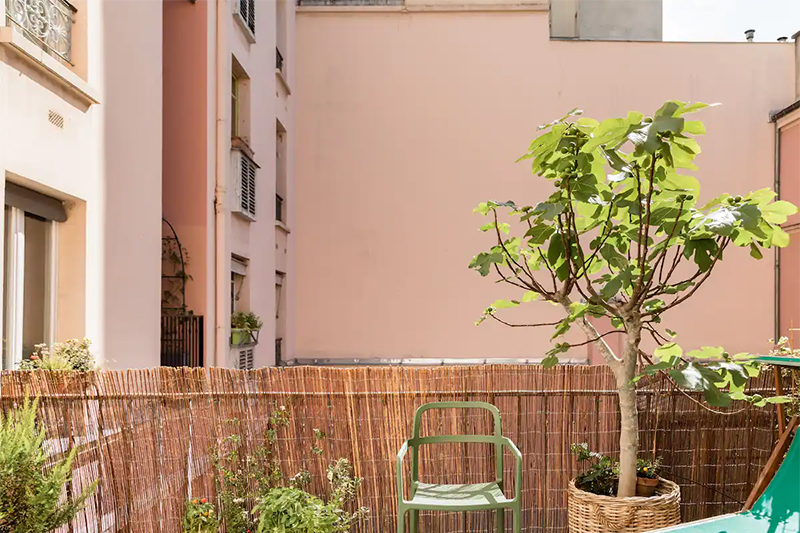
x=777, y=511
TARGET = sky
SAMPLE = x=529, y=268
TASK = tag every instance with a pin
x=726, y=20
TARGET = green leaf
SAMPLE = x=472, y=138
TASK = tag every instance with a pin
x=539, y=234
x=778, y=212
x=668, y=350
x=755, y=252
x=529, y=296
x=504, y=304
x=548, y=211
x=706, y=352
x=780, y=238
x=550, y=361
x=695, y=127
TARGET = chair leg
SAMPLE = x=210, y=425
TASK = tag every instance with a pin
x=414, y=523
x=517, y=519
x=500, y=520
x=401, y=521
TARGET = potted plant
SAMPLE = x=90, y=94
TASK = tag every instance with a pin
x=245, y=326
x=623, y=237
x=647, y=476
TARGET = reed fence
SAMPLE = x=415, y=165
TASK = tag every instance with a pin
x=148, y=434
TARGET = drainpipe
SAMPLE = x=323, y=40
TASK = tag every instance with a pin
x=777, y=189
x=222, y=157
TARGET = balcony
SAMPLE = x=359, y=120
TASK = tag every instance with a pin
x=47, y=23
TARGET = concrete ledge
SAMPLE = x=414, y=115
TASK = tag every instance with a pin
x=13, y=38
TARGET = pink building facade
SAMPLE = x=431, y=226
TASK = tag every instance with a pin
x=409, y=115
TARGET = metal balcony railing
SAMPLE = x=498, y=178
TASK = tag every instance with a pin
x=46, y=22
x=181, y=340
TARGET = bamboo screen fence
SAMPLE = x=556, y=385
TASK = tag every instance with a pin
x=147, y=435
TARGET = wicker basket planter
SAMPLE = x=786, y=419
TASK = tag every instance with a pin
x=591, y=513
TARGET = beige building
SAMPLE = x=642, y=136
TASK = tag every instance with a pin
x=109, y=142
x=80, y=153
x=410, y=114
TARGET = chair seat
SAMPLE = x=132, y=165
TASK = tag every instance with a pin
x=459, y=497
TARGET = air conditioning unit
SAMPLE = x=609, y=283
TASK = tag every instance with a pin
x=244, y=177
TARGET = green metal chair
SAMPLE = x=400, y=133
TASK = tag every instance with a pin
x=458, y=498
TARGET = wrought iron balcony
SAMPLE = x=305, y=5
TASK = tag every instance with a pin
x=46, y=22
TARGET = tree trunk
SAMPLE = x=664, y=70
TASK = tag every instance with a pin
x=629, y=416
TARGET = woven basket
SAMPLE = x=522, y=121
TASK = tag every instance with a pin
x=592, y=513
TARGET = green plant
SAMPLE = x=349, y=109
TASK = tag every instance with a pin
x=648, y=468
x=246, y=320
x=199, y=517
x=32, y=497
x=72, y=354
x=622, y=236
x=601, y=477
x=291, y=509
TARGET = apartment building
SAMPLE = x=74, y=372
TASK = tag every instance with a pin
x=80, y=155
x=228, y=196
x=119, y=150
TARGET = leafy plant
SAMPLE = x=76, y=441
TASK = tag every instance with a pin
x=244, y=479
x=174, y=263
x=32, y=498
x=72, y=354
x=601, y=477
x=623, y=236
x=291, y=509
x=647, y=468
x=199, y=517
x=246, y=320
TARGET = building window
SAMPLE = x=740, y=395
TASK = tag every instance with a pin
x=29, y=283
x=280, y=173
x=234, y=105
x=245, y=14
x=238, y=273
x=280, y=314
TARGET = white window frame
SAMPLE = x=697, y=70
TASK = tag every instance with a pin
x=14, y=311
x=241, y=18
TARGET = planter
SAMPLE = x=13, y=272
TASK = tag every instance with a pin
x=591, y=513
x=242, y=337
x=646, y=486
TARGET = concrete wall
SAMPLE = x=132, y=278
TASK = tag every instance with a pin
x=638, y=20
x=407, y=120
x=131, y=169
x=789, y=161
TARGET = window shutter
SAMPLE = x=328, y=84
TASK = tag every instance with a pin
x=248, y=186
x=246, y=359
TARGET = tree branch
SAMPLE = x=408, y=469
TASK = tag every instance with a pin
x=524, y=325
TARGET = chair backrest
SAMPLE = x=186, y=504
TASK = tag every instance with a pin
x=780, y=502
x=495, y=438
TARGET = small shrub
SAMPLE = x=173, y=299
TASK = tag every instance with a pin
x=32, y=499
x=246, y=320
x=601, y=477
x=649, y=469
x=199, y=517
x=73, y=354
